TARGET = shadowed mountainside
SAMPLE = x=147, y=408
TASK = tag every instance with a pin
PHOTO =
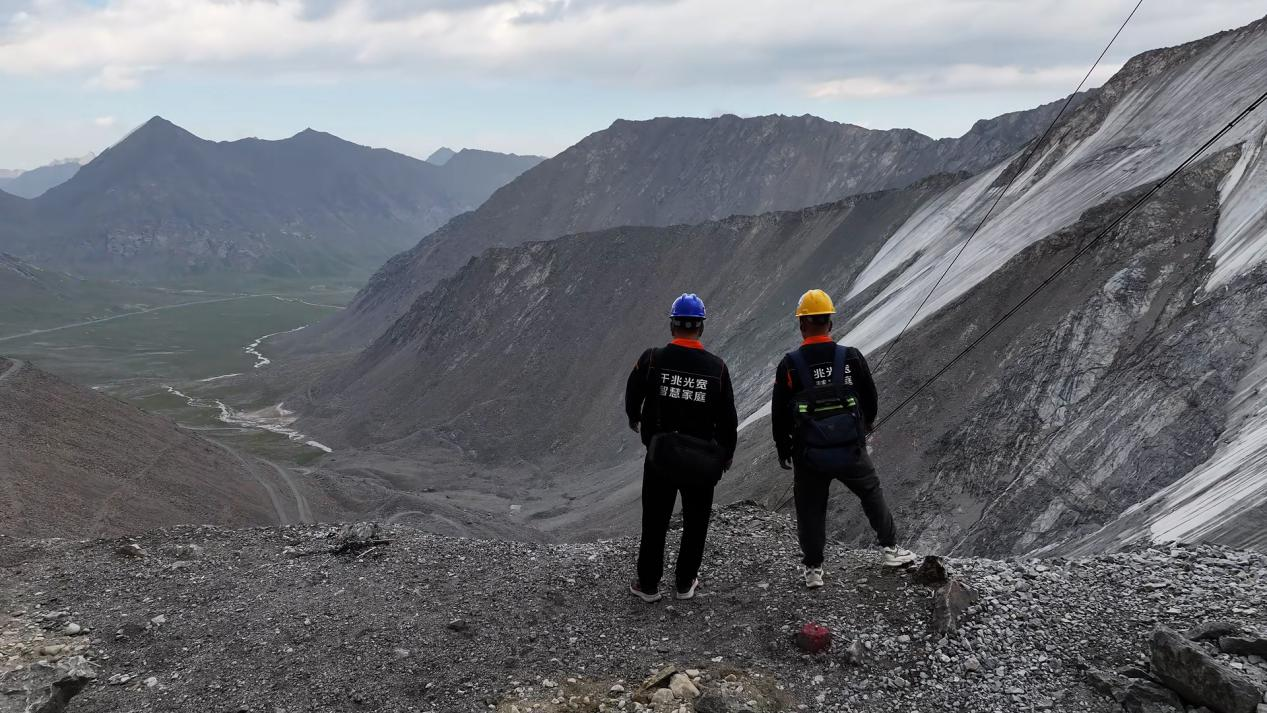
x=76, y=463
x=668, y=171
x=164, y=202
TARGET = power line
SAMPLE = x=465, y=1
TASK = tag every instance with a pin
x=1065, y=266
x=786, y=498
x=1081, y=251
x=1019, y=170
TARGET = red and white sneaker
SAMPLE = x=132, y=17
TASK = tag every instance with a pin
x=648, y=597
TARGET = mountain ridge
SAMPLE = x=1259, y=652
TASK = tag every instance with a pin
x=166, y=200
x=673, y=171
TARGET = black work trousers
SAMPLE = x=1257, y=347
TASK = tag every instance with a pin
x=659, y=493
x=812, y=489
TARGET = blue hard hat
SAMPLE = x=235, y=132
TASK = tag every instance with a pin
x=688, y=306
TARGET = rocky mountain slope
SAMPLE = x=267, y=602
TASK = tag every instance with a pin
x=1121, y=383
x=37, y=181
x=416, y=381
x=677, y=170
x=164, y=202
x=1134, y=380
x=308, y=619
x=76, y=463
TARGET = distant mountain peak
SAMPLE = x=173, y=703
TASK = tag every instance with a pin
x=158, y=128
x=313, y=133
x=441, y=155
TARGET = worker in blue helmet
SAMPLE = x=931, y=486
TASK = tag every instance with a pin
x=680, y=400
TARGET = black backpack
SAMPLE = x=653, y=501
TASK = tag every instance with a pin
x=685, y=456
x=831, y=435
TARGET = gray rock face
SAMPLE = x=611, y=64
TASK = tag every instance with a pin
x=1214, y=630
x=1243, y=645
x=950, y=606
x=1149, y=697
x=1071, y=405
x=931, y=572
x=43, y=687
x=1198, y=677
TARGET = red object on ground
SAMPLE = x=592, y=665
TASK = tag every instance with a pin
x=813, y=638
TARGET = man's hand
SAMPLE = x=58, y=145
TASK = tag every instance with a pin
x=635, y=427
x=785, y=462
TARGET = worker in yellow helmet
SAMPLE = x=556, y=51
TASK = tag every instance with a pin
x=824, y=404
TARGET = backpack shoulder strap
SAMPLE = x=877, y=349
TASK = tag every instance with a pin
x=843, y=392
x=652, y=394
x=838, y=373
x=651, y=355
x=803, y=371
x=838, y=367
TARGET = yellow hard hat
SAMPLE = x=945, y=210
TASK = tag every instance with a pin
x=814, y=302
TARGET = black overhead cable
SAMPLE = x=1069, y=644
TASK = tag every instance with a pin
x=1019, y=170
x=1051, y=278
x=786, y=497
x=1081, y=251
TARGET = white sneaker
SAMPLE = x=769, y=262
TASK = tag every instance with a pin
x=897, y=556
x=648, y=597
x=813, y=577
x=690, y=593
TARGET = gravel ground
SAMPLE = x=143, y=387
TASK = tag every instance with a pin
x=431, y=623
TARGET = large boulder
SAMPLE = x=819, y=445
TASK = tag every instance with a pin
x=1136, y=695
x=1214, y=630
x=931, y=572
x=1198, y=677
x=950, y=605
x=1148, y=697
x=44, y=687
x=1243, y=645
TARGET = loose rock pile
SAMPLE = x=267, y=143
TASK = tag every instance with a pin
x=671, y=689
x=1224, y=677
x=419, y=622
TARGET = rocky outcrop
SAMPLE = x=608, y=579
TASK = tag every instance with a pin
x=1244, y=645
x=951, y=603
x=44, y=687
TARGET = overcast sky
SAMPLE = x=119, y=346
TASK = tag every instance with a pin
x=534, y=76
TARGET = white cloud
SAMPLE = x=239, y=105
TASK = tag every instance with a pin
x=841, y=48
x=965, y=78
x=115, y=77
x=104, y=122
